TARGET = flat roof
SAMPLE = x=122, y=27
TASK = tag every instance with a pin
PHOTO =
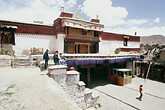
x=123, y=70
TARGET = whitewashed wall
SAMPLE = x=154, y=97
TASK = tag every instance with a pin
x=107, y=46
x=28, y=41
x=59, y=43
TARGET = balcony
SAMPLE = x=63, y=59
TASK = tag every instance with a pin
x=82, y=37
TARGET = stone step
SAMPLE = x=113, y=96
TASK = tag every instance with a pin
x=21, y=61
x=27, y=63
x=22, y=65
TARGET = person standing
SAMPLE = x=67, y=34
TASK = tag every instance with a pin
x=57, y=58
x=140, y=90
x=46, y=58
x=115, y=79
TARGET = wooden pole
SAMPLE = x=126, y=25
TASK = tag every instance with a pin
x=88, y=77
x=133, y=67
x=77, y=48
x=88, y=48
x=148, y=70
x=65, y=31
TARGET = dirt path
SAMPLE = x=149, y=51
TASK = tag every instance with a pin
x=27, y=89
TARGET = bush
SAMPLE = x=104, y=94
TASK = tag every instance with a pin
x=2, y=51
x=117, y=51
x=12, y=52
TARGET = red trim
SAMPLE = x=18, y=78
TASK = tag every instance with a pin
x=30, y=28
x=64, y=14
x=95, y=20
x=118, y=37
x=130, y=49
x=34, y=30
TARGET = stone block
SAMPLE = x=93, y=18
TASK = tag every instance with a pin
x=72, y=78
x=58, y=73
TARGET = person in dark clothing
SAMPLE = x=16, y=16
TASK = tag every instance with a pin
x=141, y=94
x=57, y=58
x=115, y=79
x=46, y=58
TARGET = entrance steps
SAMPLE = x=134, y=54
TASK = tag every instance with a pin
x=21, y=61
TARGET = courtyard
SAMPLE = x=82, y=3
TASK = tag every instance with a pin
x=30, y=89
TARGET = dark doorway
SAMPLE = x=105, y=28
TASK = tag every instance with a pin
x=98, y=75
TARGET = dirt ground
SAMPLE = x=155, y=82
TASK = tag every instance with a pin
x=30, y=89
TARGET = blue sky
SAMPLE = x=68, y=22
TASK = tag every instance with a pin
x=146, y=17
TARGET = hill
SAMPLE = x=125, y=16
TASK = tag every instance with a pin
x=153, y=39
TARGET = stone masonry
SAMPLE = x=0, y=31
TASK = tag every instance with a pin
x=69, y=80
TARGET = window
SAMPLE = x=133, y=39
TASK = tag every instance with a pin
x=84, y=32
x=96, y=34
x=125, y=41
x=67, y=30
x=7, y=36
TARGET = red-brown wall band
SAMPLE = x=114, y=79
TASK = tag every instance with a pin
x=130, y=49
x=29, y=28
x=35, y=30
x=118, y=37
x=64, y=14
x=58, y=26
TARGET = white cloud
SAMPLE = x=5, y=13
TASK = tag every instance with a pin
x=140, y=31
x=71, y=3
x=34, y=10
x=109, y=15
x=157, y=20
x=132, y=22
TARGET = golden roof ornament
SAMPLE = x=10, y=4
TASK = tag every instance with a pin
x=63, y=9
x=77, y=16
x=97, y=17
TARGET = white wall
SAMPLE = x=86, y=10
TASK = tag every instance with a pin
x=28, y=41
x=59, y=43
x=107, y=46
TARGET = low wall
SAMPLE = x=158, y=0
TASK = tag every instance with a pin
x=5, y=61
x=70, y=82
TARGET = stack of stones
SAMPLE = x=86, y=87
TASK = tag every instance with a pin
x=69, y=80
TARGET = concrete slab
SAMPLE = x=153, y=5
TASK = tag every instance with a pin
x=124, y=97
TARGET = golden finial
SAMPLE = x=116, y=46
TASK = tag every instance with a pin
x=77, y=16
x=97, y=16
x=63, y=9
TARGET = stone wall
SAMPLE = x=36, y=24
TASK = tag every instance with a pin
x=5, y=61
x=69, y=80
